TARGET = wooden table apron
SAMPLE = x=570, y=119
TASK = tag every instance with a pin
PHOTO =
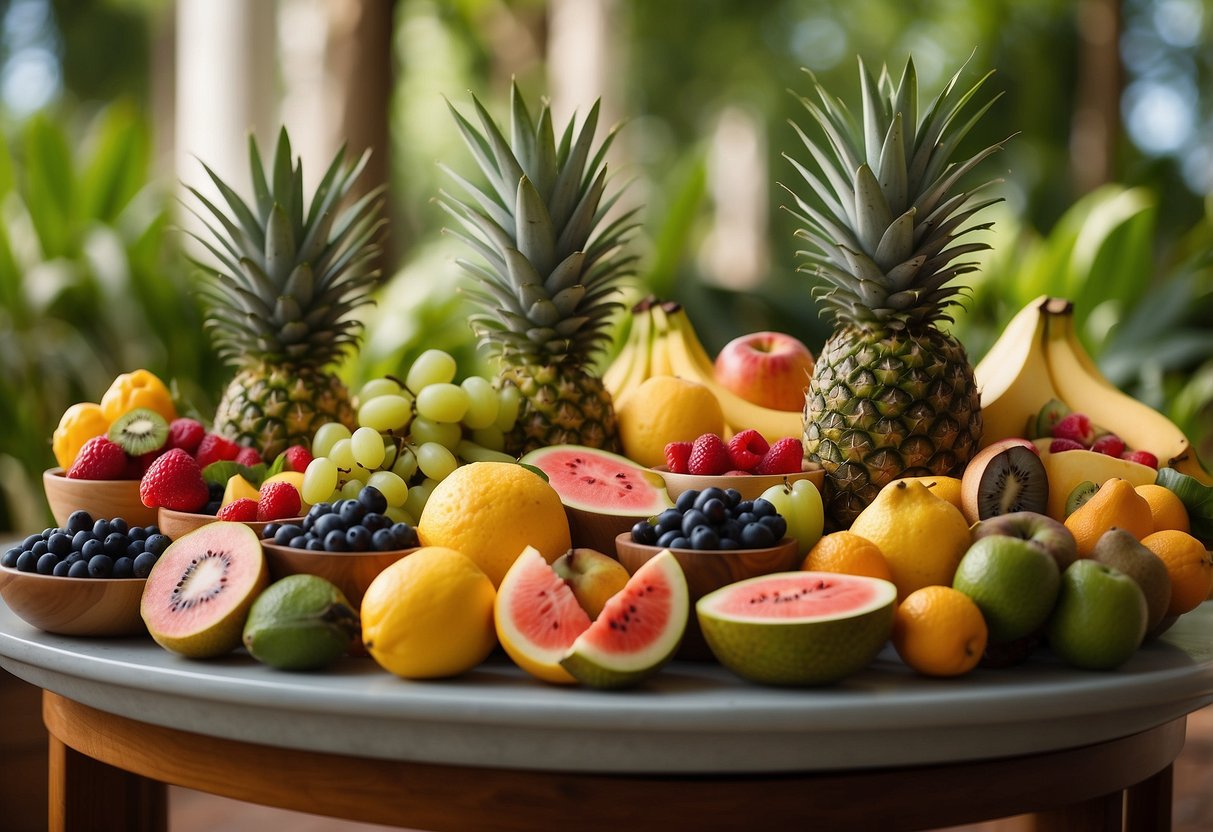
x=694, y=747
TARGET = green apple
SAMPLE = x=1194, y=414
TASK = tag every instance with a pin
x=799, y=503
x=1014, y=583
x=593, y=577
x=1100, y=618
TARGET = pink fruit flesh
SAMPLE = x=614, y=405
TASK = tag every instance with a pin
x=1141, y=458
x=544, y=609
x=800, y=596
x=637, y=615
x=587, y=478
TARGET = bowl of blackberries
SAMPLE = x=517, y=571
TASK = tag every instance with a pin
x=718, y=538
x=82, y=579
x=348, y=542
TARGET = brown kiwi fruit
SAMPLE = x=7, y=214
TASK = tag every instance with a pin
x=1082, y=492
x=139, y=431
x=1122, y=551
x=1004, y=477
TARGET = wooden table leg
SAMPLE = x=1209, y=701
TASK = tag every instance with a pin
x=1100, y=814
x=1148, y=804
x=87, y=794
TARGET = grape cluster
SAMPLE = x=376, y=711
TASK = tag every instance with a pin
x=411, y=435
x=712, y=519
x=348, y=525
x=87, y=548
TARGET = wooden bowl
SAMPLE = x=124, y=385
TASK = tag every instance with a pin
x=751, y=486
x=706, y=571
x=351, y=572
x=176, y=523
x=100, y=498
x=598, y=531
x=75, y=606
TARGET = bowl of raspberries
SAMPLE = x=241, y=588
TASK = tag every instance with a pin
x=745, y=462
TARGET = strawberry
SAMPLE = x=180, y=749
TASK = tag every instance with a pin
x=747, y=449
x=278, y=500
x=174, y=481
x=99, y=459
x=786, y=456
x=1077, y=427
x=1141, y=458
x=243, y=510
x=1109, y=444
x=1062, y=444
x=709, y=456
x=298, y=458
x=248, y=457
x=215, y=448
x=185, y=433
x=136, y=466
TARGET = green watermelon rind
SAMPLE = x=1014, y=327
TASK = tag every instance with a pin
x=814, y=650
x=598, y=669
x=661, y=498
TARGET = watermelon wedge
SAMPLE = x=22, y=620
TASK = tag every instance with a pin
x=537, y=617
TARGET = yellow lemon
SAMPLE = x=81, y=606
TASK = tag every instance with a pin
x=921, y=536
x=429, y=615
x=491, y=511
x=665, y=409
x=945, y=488
x=79, y=423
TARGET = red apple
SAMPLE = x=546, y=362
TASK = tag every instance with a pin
x=767, y=368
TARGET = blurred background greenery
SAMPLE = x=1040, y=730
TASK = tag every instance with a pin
x=1107, y=180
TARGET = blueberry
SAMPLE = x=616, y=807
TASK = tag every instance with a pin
x=732, y=497
x=358, y=538
x=286, y=533
x=46, y=533
x=78, y=521
x=124, y=567
x=319, y=509
x=29, y=542
x=374, y=521
x=715, y=510
x=141, y=567
x=372, y=499
x=731, y=528
x=299, y=541
x=353, y=511
x=135, y=548
x=314, y=545
x=666, y=540
x=137, y=533
x=680, y=543
x=729, y=543
x=115, y=544
x=156, y=543
x=10, y=557
x=79, y=569
x=644, y=533
x=307, y=522
x=691, y=520
x=59, y=544
x=212, y=507
x=757, y=536
x=148, y=531
x=742, y=507
x=327, y=524
x=747, y=517
x=100, y=566
x=82, y=537
x=215, y=491
x=705, y=538
x=91, y=548
x=712, y=493
x=686, y=500
x=777, y=525
x=46, y=563
x=404, y=535
x=383, y=540
x=119, y=525
x=61, y=569
x=40, y=548
x=271, y=529
x=101, y=528
x=75, y=556
x=763, y=508
x=334, y=541
x=671, y=518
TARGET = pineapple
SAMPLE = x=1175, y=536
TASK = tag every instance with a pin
x=891, y=395
x=281, y=289
x=551, y=268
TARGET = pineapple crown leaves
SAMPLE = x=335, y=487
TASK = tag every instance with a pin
x=550, y=263
x=285, y=276
x=884, y=233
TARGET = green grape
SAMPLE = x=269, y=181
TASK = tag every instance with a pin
x=336, y=495
x=386, y=413
x=436, y=461
x=431, y=367
x=510, y=398
x=327, y=435
x=483, y=403
x=469, y=451
x=319, y=480
x=351, y=489
x=342, y=454
x=442, y=402
x=394, y=489
x=363, y=475
x=425, y=430
x=490, y=437
x=377, y=387
x=367, y=445
x=406, y=464
x=390, y=451
x=418, y=496
x=397, y=514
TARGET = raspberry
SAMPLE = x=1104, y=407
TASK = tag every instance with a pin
x=1109, y=444
x=99, y=459
x=786, y=456
x=278, y=500
x=747, y=449
x=174, y=481
x=214, y=448
x=248, y=457
x=1075, y=426
x=709, y=456
x=677, y=457
x=298, y=458
x=185, y=434
x=243, y=510
x=1141, y=458
x=1059, y=445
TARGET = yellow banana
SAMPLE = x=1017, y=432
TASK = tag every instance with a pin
x=1085, y=389
x=739, y=414
x=659, y=352
x=633, y=359
x=1013, y=377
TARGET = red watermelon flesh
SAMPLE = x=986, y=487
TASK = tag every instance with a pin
x=801, y=597
x=595, y=480
x=554, y=618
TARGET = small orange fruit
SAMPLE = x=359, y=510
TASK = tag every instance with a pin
x=1166, y=508
x=849, y=554
x=1114, y=504
x=1189, y=565
x=939, y=631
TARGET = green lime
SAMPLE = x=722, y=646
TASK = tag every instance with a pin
x=1013, y=582
x=301, y=622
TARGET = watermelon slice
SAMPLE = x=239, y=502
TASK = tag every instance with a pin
x=638, y=630
x=798, y=628
x=537, y=617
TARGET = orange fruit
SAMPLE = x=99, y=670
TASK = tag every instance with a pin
x=491, y=511
x=849, y=554
x=1189, y=565
x=1166, y=508
x=945, y=488
x=665, y=409
x=79, y=423
x=1114, y=504
x=939, y=631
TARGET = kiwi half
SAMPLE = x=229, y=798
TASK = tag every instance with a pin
x=139, y=431
x=1082, y=492
x=1004, y=477
x=1050, y=414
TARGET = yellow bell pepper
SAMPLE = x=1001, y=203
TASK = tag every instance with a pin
x=137, y=389
x=80, y=423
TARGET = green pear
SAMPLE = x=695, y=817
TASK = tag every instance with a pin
x=1121, y=550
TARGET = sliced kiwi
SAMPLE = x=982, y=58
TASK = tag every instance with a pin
x=140, y=431
x=1082, y=492
x=1003, y=478
x=1048, y=417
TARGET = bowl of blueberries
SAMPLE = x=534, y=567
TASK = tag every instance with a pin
x=718, y=537
x=85, y=578
x=348, y=542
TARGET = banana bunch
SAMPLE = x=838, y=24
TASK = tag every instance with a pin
x=1038, y=358
x=662, y=341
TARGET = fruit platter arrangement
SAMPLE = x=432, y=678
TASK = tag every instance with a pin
x=785, y=514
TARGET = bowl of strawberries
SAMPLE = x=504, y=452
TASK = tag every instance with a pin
x=745, y=462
